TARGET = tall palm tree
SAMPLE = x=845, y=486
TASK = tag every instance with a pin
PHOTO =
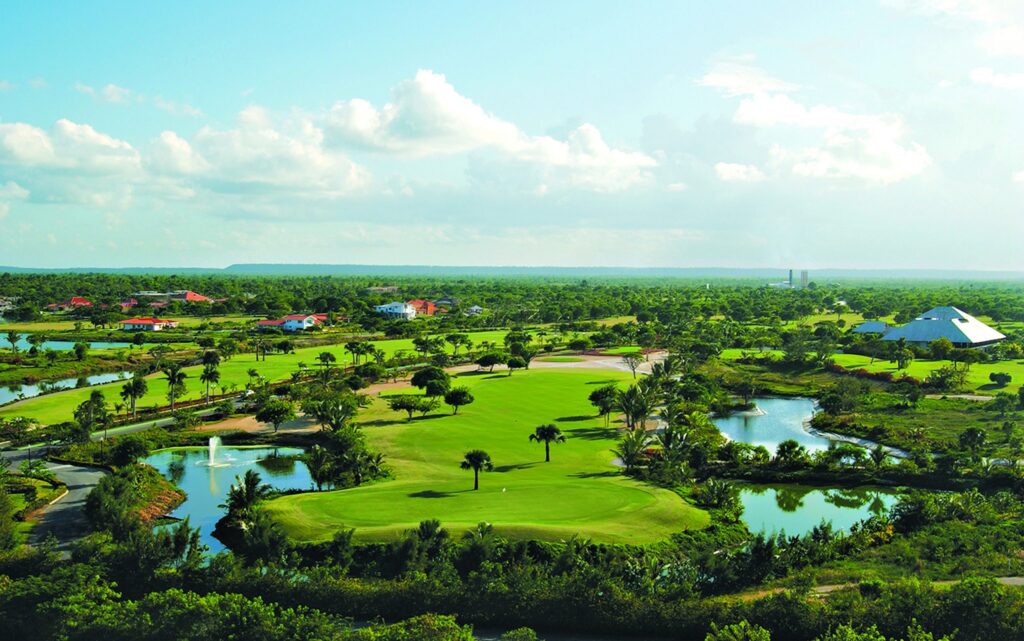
x=134, y=389
x=547, y=434
x=477, y=460
x=12, y=338
x=210, y=376
x=326, y=358
x=35, y=340
x=175, y=380
x=252, y=374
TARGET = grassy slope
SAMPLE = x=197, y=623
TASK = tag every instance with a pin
x=54, y=408
x=579, y=491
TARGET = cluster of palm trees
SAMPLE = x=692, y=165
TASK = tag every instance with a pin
x=331, y=469
x=480, y=461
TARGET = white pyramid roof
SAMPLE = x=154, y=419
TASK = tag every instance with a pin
x=945, y=322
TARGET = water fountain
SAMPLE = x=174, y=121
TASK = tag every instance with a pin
x=214, y=443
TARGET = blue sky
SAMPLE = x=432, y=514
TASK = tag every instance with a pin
x=877, y=133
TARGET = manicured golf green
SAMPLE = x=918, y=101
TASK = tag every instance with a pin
x=579, y=492
x=55, y=408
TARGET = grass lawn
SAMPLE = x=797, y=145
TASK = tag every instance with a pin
x=578, y=492
x=561, y=359
x=624, y=349
x=55, y=408
x=977, y=377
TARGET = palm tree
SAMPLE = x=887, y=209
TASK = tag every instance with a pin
x=134, y=389
x=35, y=340
x=326, y=358
x=320, y=464
x=547, y=434
x=12, y=338
x=631, y=448
x=175, y=381
x=252, y=374
x=210, y=376
x=878, y=455
x=245, y=493
x=477, y=460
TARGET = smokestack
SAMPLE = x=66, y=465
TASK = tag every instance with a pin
x=791, y=278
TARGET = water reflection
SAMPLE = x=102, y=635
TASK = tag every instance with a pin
x=797, y=509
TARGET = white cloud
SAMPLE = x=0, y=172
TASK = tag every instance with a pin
x=427, y=116
x=1002, y=21
x=66, y=145
x=9, y=192
x=115, y=94
x=259, y=154
x=676, y=187
x=738, y=77
x=871, y=147
x=183, y=109
x=986, y=76
x=735, y=172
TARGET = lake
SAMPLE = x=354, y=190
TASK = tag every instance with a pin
x=797, y=509
x=58, y=346
x=779, y=419
x=207, y=485
x=13, y=393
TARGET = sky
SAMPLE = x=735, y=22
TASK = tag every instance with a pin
x=755, y=133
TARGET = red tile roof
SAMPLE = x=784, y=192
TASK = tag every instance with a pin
x=149, y=321
x=424, y=307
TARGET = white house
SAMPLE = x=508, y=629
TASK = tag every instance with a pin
x=475, y=310
x=396, y=310
x=290, y=323
x=147, y=324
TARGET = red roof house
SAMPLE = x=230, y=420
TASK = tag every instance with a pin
x=72, y=303
x=147, y=324
x=423, y=307
x=190, y=297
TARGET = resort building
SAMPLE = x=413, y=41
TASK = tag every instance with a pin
x=396, y=310
x=72, y=303
x=147, y=324
x=292, y=322
x=475, y=310
x=962, y=329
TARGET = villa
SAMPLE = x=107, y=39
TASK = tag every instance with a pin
x=423, y=307
x=72, y=303
x=396, y=309
x=962, y=329
x=147, y=324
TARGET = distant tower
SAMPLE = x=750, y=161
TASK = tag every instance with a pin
x=791, y=278
x=803, y=279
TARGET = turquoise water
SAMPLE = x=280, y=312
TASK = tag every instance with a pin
x=17, y=392
x=783, y=419
x=797, y=509
x=207, y=486
x=57, y=346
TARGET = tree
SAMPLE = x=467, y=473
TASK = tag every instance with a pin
x=940, y=348
x=134, y=389
x=424, y=377
x=276, y=411
x=1002, y=379
x=972, y=439
x=457, y=397
x=81, y=350
x=404, y=403
x=245, y=493
x=326, y=359
x=209, y=376
x=789, y=453
x=457, y=341
x=903, y=358
x=92, y=415
x=12, y=338
x=633, y=360
x=128, y=450
x=547, y=434
x=320, y=464
x=514, y=363
x=490, y=359
x=333, y=411
x=477, y=460
x=604, y=399
x=1003, y=403
x=175, y=383
x=632, y=448
x=579, y=345
x=909, y=392
x=741, y=631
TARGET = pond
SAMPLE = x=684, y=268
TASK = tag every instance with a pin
x=57, y=346
x=774, y=421
x=206, y=474
x=13, y=393
x=797, y=509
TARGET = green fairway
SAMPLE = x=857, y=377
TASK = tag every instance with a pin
x=977, y=376
x=561, y=359
x=579, y=491
x=54, y=408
